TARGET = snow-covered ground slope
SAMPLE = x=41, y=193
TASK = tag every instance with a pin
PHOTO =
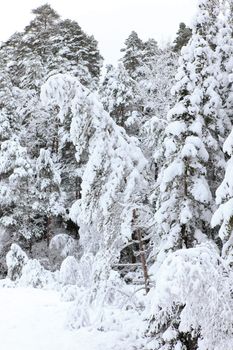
x=32, y=319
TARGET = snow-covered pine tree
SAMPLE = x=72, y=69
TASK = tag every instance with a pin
x=75, y=52
x=47, y=46
x=183, y=35
x=56, y=45
x=133, y=53
x=45, y=18
x=93, y=58
x=150, y=51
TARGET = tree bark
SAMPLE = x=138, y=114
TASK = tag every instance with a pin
x=49, y=233
x=142, y=254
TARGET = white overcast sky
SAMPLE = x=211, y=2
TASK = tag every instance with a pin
x=110, y=21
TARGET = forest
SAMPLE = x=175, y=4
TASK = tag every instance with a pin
x=116, y=182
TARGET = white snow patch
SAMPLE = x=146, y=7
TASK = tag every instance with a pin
x=36, y=319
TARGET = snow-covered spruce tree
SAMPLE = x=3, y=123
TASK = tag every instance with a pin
x=16, y=165
x=16, y=177
x=215, y=116
x=223, y=215
x=113, y=177
x=189, y=140
x=224, y=52
x=50, y=198
x=224, y=198
x=198, y=108
x=191, y=169
x=184, y=200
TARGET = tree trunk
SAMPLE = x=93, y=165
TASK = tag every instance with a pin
x=142, y=254
x=78, y=188
x=49, y=232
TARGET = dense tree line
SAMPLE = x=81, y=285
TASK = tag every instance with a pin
x=124, y=182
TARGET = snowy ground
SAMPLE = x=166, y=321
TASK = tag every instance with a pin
x=32, y=319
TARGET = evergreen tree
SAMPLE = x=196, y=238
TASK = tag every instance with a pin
x=132, y=53
x=50, y=199
x=224, y=214
x=183, y=35
x=224, y=58
x=121, y=99
x=16, y=177
x=150, y=51
x=191, y=169
x=44, y=19
x=113, y=176
x=47, y=46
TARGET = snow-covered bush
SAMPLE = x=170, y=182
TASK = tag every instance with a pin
x=98, y=306
x=34, y=275
x=28, y=272
x=69, y=293
x=69, y=271
x=191, y=303
x=16, y=259
x=63, y=245
x=86, y=269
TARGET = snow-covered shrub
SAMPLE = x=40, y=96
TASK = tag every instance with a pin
x=96, y=305
x=15, y=260
x=63, y=244
x=69, y=271
x=191, y=302
x=86, y=268
x=70, y=292
x=34, y=275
